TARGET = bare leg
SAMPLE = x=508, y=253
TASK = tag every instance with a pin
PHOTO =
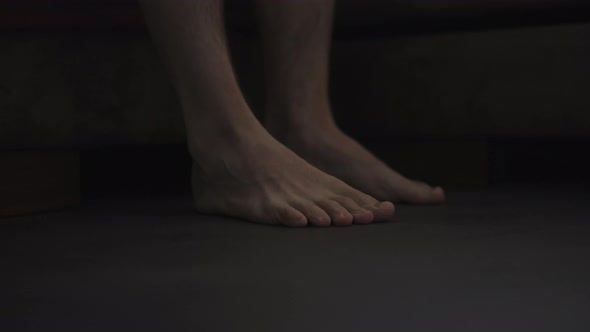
x=296, y=36
x=239, y=169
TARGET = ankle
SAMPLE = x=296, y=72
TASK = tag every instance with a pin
x=215, y=136
x=221, y=138
x=300, y=123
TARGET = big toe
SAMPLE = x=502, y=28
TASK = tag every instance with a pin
x=417, y=192
x=383, y=211
x=289, y=216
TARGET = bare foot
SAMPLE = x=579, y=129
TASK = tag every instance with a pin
x=325, y=146
x=239, y=169
x=258, y=179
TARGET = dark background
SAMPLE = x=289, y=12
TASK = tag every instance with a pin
x=500, y=86
x=486, y=98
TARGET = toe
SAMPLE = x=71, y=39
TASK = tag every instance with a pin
x=289, y=216
x=382, y=211
x=360, y=215
x=438, y=194
x=314, y=214
x=338, y=214
x=417, y=192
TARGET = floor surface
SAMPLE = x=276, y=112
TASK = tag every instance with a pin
x=502, y=260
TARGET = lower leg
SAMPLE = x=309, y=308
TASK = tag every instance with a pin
x=296, y=40
x=239, y=169
x=191, y=38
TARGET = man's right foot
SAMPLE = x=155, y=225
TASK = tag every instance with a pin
x=260, y=180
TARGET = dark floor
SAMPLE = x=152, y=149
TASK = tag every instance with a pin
x=512, y=259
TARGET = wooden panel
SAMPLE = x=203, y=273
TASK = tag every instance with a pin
x=370, y=16
x=68, y=14
x=34, y=181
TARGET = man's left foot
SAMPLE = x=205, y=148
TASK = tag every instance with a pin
x=331, y=150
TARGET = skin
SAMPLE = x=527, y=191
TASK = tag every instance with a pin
x=239, y=169
x=296, y=37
